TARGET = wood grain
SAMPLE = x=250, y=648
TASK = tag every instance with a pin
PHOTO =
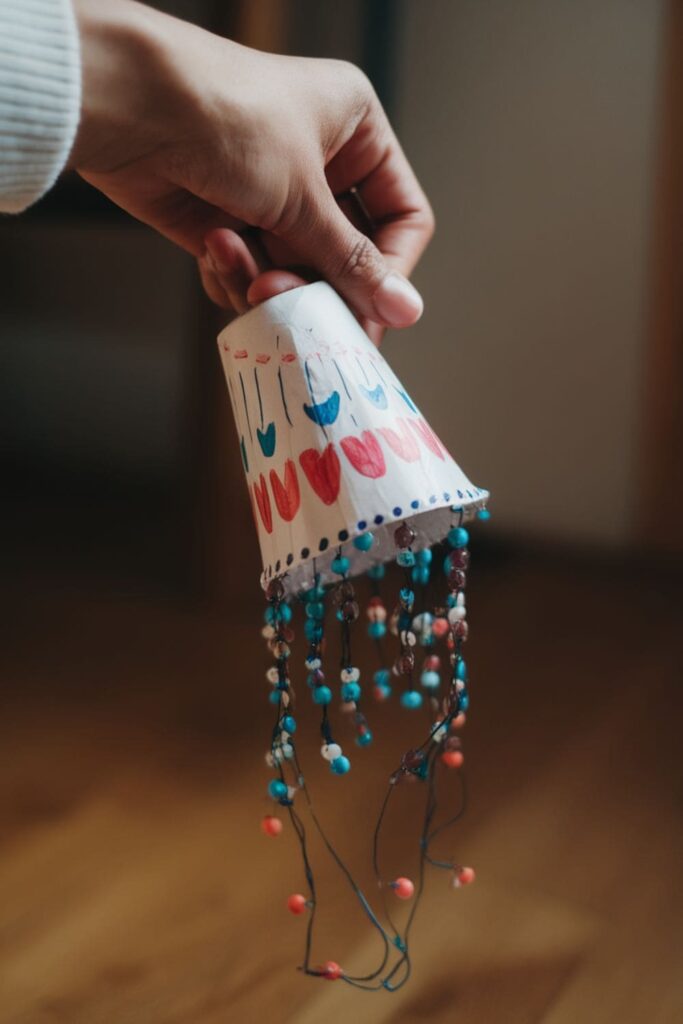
x=135, y=885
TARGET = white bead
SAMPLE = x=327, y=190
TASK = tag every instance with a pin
x=331, y=751
x=313, y=663
x=459, y=685
x=270, y=760
x=284, y=697
x=288, y=750
x=439, y=732
x=284, y=736
x=291, y=792
x=272, y=675
x=408, y=638
x=350, y=675
x=456, y=614
x=277, y=754
x=268, y=632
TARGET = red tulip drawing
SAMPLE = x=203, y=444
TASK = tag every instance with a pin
x=428, y=437
x=286, y=494
x=323, y=472
x=365, y=454
x=263, y=503
x=402, y=444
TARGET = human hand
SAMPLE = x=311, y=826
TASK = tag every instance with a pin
x=244, y=159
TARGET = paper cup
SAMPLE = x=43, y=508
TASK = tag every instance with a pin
x=332, y=443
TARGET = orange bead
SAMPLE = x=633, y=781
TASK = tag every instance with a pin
x=271, y=826
x=403, y=888
x=296, y=903
x=331, y=970
x=458, y=721
x=466, y=876
x=452, y=758
x=440, y=627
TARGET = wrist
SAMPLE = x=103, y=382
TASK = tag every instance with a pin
x=124, y=48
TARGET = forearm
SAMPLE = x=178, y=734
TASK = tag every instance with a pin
x=40, y=86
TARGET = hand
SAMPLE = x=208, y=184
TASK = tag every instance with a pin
x=244, y=159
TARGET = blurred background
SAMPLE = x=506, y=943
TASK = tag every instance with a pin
x=134, y=882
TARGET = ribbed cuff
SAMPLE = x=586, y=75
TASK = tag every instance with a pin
x=40, y=97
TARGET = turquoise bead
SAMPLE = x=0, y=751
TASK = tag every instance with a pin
x=322, y=695
x=313, y=630
x=424, y=557
x=420, y=574
x=463, y=700
x=458, y=537
x=364, y=739
x=377, y=630
x=377, y=572
x=364, y=542
x=289, y=723
x=430, y=679
x=484, y=515
x=406, y=597
x=382, y=677
x=315, y=610
x=461, y=670
x=411, y=699
x=405, y=559
x=350, y=691
x=277, y=789
x=340, y=565
x=274, y=696
x=340, y=765
x=285, y=613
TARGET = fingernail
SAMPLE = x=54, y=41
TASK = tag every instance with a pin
x=397, y=302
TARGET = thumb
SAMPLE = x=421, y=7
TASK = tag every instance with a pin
x=348, y=260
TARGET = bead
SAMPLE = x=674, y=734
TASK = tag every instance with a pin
x=405, y=558
x=408, y=638
x=281, y=649
x=420, y=575
x=458, y=537
x=340, y=565
x=461, y=630
x=405, y=663
x=457, y=579
x=463, y=701
x=274, y=696
x=483, y=515
x=341, y=765
x=377, y=630
x=382, y=677
x=313, y=663
x=403, y=888
x=350, y=691
x=430, y=679
x=331, y=751
x=350, y=674
x=364, y=739
x=313, y=631
x=285, y=613
x=271, y=826
x=364, y=542
x=465, y=876
x=440, y=627
x=453, y=743
x=344, y=592
x=404, y=535
x=377, y=572
x=407, y=598
x=424, y=557
x=458, y=721
x=349, y=611
x=289, y=724
x=452, y=758
x=315, y=610
x=411, y=699
x=316, y=677
x=331, y=971
x=456, y=614
x=461, y=670
x=381, y=691
x=377, y=613
x=277, y=789
x=432, y=663
x=296, y=903
x=275, y=590
x=347, y=706
x=458, y=559
x=288, y=750
x=273, y=675
x=322, y=695
x=412, y=759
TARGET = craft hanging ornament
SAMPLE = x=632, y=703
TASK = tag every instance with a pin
x=346, y=475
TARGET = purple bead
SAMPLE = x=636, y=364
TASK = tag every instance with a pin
x=404, y=535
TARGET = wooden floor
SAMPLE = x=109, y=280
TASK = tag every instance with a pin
x=136, y=887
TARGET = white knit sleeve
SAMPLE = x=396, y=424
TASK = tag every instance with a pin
x=40, y=95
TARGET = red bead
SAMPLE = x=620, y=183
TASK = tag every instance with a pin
x=404, y=535
x=403, y=888
x=375, y=602
x=460, y=629
x=331, y=970
x=271, y=826
x=379, y=693
x=452, y=758
x=432, y=663
x=458, y=721
x=440, y=627
x=296, y=903
x=466, y=876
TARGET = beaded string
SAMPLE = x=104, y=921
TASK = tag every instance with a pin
x=419, y=762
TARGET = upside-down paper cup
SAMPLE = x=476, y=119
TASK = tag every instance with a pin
x=332, y=443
